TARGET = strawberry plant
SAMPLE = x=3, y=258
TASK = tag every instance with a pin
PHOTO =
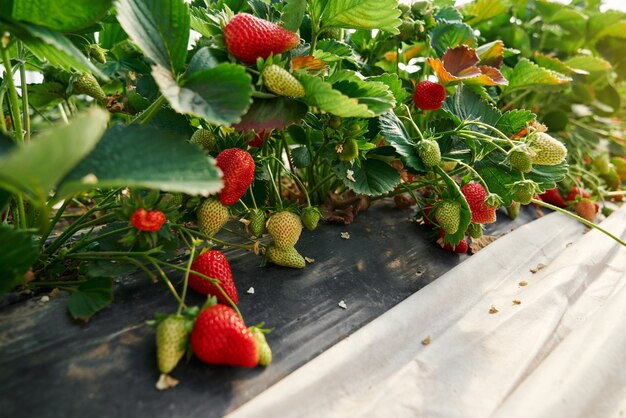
x=141, y=140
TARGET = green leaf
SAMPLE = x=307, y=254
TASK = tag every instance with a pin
x=483, y=10
x=375, y=95
x=552, y=63
x=36, y=167
x=90, y=297
x=395, y=86
x=450, y=35
x=330, y=50
x=146, y=157
x=371, y=177
x=321, y=94
x=301, y=157
x=514, y=121
x=529, y=75
x=589, y=63
x=454, y=193
x=60, y=15
x=18, y=251
x=467, y=105
x=220, y=95
x=362, y=14
x=159, y=27
x=395, y=133
x=49, y=45
x=45, y=94
x=449, y=14
x=293, y=13
x=276, y=113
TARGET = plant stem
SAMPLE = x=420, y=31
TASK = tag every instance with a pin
x=186, y=280
x=213, y=239
x=63, y=114
x=25, y=111
x=578, y=218
x=98, y=237
x=56, y=218
x=13, y=99
x=151, y=111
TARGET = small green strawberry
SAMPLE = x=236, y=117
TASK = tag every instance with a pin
x=286, y=257
x=203, y=138
x=265, y=352
x=171, y=341
x=429, y=152
x=547, y=150
x=173, y=200
x=513, y=210
x=475, y=230
x=212, y=216
x=523, y=191
x=448, y=214
x=285, y=228
x=98, y=53
x=521, y=160
x=87, y=84
x=310, y=217
x=257, y=222
x=602, y=164
x=280, y=82
x=349, y=150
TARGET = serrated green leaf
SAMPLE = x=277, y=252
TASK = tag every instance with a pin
x=371, y=177
x=395, y=133
x=60, y=15
x=293, y=13
x=321, y=94
x=375, y=95
x=552, y=63
x=616, y=30
x=480, y=11
x=330, y=50
x=220, y=95
x=276, y=113
x=395, y=86
x=467, y=105
x=529, y=75
x=18, y=251
x=514, y=121
x=51, y=46
x=449, y=14
x=362, y=14
x=147, y=157
x=159, y=27
x=301, y=157
x=36, y=167
x=589, y=63
x=454, y=193
x=450, y=35
x=45, y=94
x=90, y=297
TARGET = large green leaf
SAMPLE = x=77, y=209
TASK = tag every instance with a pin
x=90, y=297
x=220, y=95
x=58, y=50
x=589, y=63
x=60, y=15
x=277, y=113
x=467, y=105
x=362, y=14
x=395, y=86
x=293, y=13
x=395, y=133
x=448, y=35
x=370, y=177
x=159, y=27
x=18, y=251
x=514, y=121
x=144, y=156
x=529, y=75
x=375, y=95
x=483, y=10
x=36, y=167
x=321, y=94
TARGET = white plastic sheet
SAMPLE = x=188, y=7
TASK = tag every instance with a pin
x=560, y=352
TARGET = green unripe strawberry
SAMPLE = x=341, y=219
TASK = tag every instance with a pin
x=449, y=166
x=98, y=53
x=310, y=217
x=547, y=150
x=171, y=341
x=475, y=230
x=602, y=164
x=331, y=33
x=286, y=257
x=513, y=210
x=349, y=150
x=173, y=200
x=203, y=138
x=448, y=214
x=265, y=352
x=334, y=122
x=429, y=152
x=87, y=84
x=407, y=30
x=280, y=82
x=524, y=191
x=212, y=216
x=257, y=222
x=521, y=160
x=285, y=228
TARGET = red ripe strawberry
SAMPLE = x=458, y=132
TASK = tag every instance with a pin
x=460, y=248
x=214, y=265
x=238, y=168
x=429, y=95
x=219, y=336
x=475, y=195
x=553, y=197
x=575, y=191
x=248, y=37
x=149, y=221
x=586, y=209
x=258, y=139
